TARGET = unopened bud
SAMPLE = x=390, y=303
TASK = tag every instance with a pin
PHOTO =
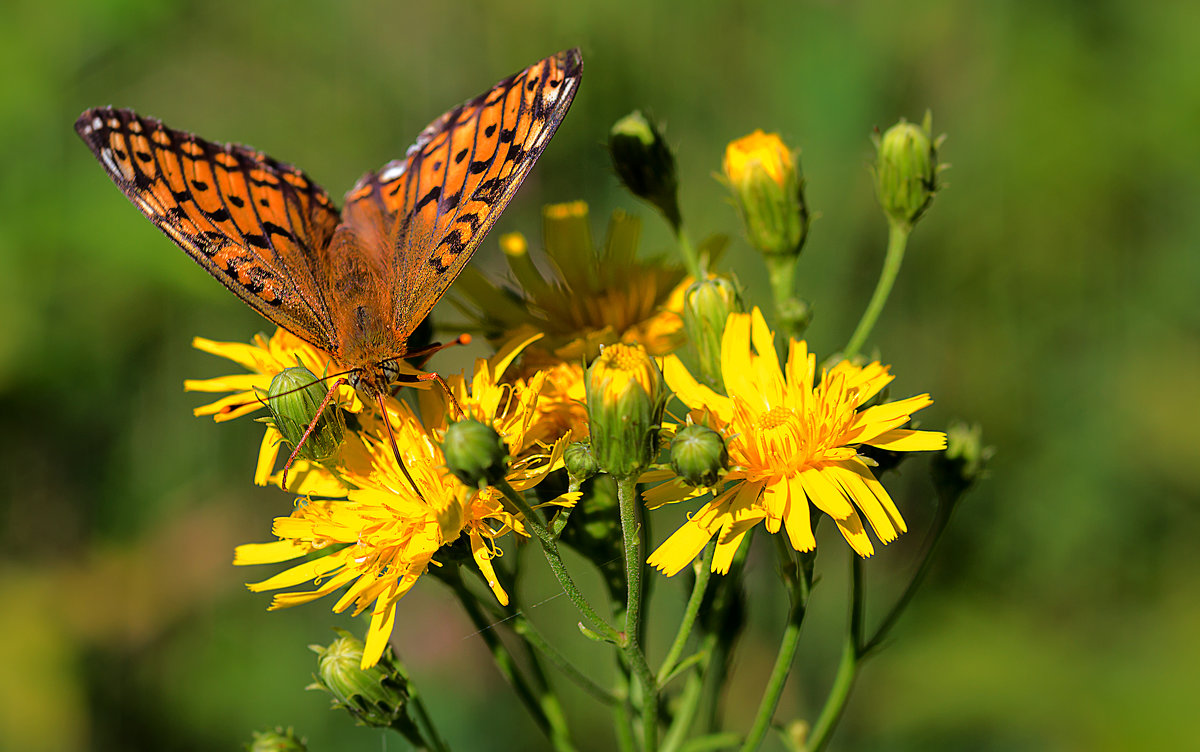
x=475, y=453
x=706, y=306
x=375, y=696
x=645, y=164
x=698, y=455
x=963, y=462
x=625, y=398
x=581, y=463
x=906, y=170
x=768, y=191
x=293, y=398
x=279, y=740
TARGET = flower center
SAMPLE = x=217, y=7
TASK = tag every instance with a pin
x=776, y=417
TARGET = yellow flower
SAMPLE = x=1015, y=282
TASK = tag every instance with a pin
x=382, y=536
x=792, y=442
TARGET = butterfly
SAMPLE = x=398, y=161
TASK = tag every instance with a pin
x=356, y=282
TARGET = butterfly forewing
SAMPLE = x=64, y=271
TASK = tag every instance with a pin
x=355, y=284
x=260, y=227
x=459, y=175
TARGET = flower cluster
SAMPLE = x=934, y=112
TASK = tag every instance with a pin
x=616, y=385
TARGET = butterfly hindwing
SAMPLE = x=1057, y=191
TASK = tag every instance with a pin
x=262, y=228
x=459, y=176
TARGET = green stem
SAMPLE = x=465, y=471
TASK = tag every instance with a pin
x=525, y=628
x=941, y=522
x=856, y=649
x=538, y=700
x=429, y=731
x=703, y=573
x=800, y=583
x=691, y=261
x=537, y=523
x=897, y=239
x=852, y=656
x=623, y=714
x=631, y=529
x=689, y=700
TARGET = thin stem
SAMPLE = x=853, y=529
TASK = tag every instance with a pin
x=852, y=655
x=778, y=678
x=689, y=700
x=538, y=700
x=703, y=573
x=526, y=629
x=691, y=261
x=631, y=528
x=536, y=522
x=897, y=239
x=800, y=582
x=623, y=714
x=429, y=731
x=941, y=522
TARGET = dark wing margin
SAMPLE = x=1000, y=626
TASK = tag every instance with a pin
x=459, y=176
x=261, y=227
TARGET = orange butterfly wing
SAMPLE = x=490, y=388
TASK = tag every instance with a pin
x=262, y=228
x=465, y=167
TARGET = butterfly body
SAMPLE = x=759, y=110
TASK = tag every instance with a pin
x=355, y=282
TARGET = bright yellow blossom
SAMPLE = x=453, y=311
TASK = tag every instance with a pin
x=792, y=442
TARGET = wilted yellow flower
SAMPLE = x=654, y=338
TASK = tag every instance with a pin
x=792, y=442
x=595, y=298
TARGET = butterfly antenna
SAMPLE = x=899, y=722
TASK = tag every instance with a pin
x=396, y=449
x=329, y=395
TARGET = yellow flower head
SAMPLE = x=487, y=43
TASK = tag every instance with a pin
x=382, y=536
x=792, y=442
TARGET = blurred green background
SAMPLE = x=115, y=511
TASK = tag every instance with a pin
x=1049, y=294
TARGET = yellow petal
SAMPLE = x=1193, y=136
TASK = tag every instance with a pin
x=852, y=531
x=907, y=440
x=693, y=393
x=269, y=553
x=680, y=549
x=726, y=550
x=797, y=520
x=303, y=572
x=383, y=619
x=824, y=495
x=867, y=499
x=268, y=452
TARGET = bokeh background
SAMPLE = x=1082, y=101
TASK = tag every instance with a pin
x=1049, y=294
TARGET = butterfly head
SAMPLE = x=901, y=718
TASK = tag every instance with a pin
x=374, y=380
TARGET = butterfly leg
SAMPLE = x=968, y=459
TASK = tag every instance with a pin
x=396, y=449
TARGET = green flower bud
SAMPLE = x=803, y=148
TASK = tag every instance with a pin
x=625, y=400
x=706, y=306
x=293, y=398
x=906, y=170
x=581, y=463
x=376, y=696
x=768, y=191
x=475, y=453
x=698, y=455
x=645, y=164
x=962, y=463
x=279, y=740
